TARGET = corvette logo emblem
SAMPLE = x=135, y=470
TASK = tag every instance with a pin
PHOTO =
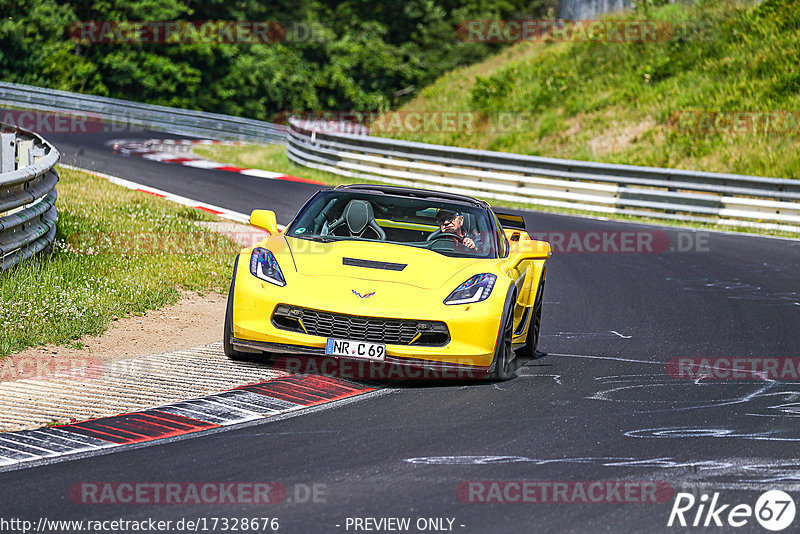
x=362, y=297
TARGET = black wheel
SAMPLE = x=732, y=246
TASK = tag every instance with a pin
x=529, y=350
x=503, y=353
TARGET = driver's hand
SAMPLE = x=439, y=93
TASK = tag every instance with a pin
x=469, y=243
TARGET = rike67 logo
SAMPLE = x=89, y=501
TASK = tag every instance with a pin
x=774, y=510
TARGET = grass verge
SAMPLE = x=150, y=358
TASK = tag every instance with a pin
x=117, y=252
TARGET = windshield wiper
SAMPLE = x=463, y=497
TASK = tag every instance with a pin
x=318, y=238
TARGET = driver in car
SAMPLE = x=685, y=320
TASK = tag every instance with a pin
x=453, y=223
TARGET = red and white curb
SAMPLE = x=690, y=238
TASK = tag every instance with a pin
x=184, y=201
x=239, y=405
x=42, y=390
x=166, y=151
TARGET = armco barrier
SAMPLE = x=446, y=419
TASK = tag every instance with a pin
x=727, y=199
x=112, y=110
x=27, y=196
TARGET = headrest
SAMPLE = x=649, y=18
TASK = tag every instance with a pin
x=358, y=214
x=469, y=223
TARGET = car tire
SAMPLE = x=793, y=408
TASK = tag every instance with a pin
x=227, y=330
x=532, y=340
x=230, y=352
x=503, y=352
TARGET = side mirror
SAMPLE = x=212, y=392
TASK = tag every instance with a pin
x=528, y=249
x=264, y=219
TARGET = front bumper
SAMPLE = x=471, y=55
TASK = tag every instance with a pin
x=473, y=328
x=302, y=359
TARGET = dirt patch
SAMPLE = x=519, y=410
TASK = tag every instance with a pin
x=574, y=127
x=617, y=137
x=194, y=320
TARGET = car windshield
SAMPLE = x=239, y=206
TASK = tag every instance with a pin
x=448, y=227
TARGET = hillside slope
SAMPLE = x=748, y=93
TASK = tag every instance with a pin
x=669, y=103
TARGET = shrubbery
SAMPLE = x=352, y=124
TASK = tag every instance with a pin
x=351, y=55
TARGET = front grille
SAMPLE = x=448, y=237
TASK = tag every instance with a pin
x=357, y=328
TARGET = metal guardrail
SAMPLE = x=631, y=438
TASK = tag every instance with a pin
x=694, y=196
x=174, y=120
x=27, y=196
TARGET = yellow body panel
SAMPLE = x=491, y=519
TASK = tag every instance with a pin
x=317, y=279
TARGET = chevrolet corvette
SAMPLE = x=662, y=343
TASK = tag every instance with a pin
x=398, y=276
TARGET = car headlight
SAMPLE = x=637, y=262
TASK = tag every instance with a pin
x=476, y=289
x=264, y=266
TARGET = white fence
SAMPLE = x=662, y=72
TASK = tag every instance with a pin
x=729, y=199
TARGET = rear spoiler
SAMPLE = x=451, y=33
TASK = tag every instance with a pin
x=510, y=220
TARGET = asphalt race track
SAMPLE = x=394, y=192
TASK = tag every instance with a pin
x=210, y=186
x=602, y=406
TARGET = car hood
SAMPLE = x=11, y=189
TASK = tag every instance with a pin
x=377, y=261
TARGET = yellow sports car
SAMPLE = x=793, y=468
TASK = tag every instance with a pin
x=433, y=284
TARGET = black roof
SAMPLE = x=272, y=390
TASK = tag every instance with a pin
x=414, y=192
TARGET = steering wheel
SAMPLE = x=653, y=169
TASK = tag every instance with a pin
x=459, y=238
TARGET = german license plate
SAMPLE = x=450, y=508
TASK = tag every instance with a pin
x=355, y=349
